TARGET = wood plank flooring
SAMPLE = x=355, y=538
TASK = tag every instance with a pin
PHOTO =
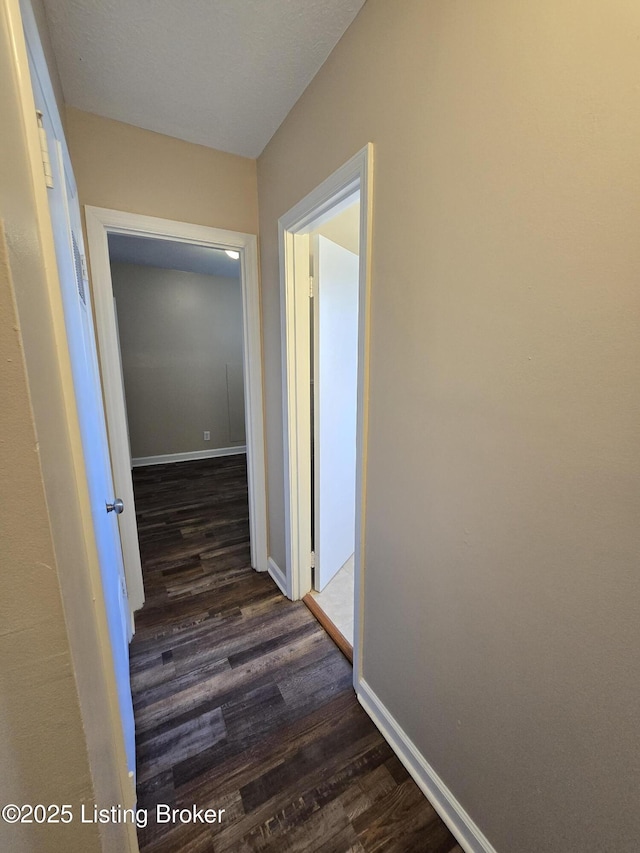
x=241, y=700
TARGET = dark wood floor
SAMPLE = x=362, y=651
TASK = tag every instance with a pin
x=242, y=702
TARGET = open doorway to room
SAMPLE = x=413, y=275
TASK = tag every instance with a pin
x=178, y=311
x=334, y=265
x=177, y=315
x=325, y=245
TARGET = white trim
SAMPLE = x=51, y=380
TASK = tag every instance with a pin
x=278, y=575
x=139, y=461
x=467, y=833
x=294, y=266
x=355, y=176
x=100, y=222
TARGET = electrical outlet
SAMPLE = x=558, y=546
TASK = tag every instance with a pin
x=207, y=435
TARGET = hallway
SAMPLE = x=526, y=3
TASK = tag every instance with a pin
x=242, y=702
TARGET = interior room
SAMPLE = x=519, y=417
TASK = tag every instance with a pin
x=156, y=651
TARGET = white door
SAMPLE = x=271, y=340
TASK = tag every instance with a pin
x=335, y=368
x=67, y=232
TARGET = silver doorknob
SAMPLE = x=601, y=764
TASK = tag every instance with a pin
x=117, y=506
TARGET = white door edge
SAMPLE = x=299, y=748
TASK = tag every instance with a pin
x=335, y=324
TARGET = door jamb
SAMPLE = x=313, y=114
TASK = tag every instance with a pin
x=294, y=227
x=100, y=222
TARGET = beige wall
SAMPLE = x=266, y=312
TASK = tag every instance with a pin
x=122, y=167
x=40, y=762
x=502, y=538
x=181, y=346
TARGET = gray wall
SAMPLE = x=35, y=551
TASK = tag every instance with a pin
x=181, y=344
x=502, y=543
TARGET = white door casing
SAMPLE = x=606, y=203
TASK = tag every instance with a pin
x=101, y=222
x=335, y=309
x=331, y=197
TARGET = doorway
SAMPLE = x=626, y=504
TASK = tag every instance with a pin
x=104, y=226
x=334, y=372
x=309, y=513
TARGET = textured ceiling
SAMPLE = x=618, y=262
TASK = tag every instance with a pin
x=222, y=73
x=171, y=255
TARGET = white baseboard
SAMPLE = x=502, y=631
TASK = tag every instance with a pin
x=187, y=457
x=468, y=835
x=278, y=575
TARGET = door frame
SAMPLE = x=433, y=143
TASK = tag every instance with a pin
x=320, y=205
x=100, y=222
